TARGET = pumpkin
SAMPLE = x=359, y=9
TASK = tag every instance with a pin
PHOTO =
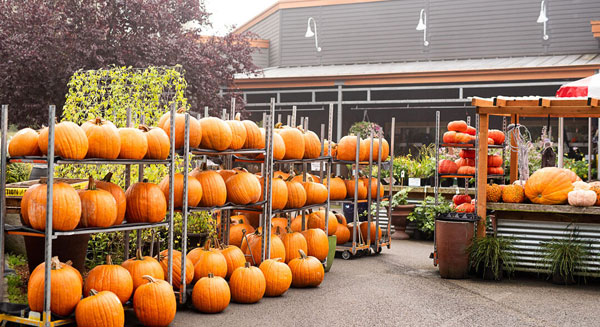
x=449, y=137
x=465, y=207
x=490, y=141
x=98, y=207
x=226, y=173
x=341, y=219
x=317, y=243
x=333, y=149
x=236, y=232
x=211, y=294
x=100, y=309
x=70, y=141
x=140, y=266
x=66, y=207
x=234, y=257
x=247, y=284
x=109, y=277
x=494, y=160
x=301, y=179
x=146, y=203
x=104, y=140
x=294, y=142
x=134, y=144
x=582, y=198
x=493, y=193
x=154, y=302
x=307, y=271
x=25, y=204
x=194, y=190
x=279, y=193
x=495, y=171
x=279, y=225
x=447, y=167
x=466, y=170
x=254, y=250
x=337, y=188
x=118, y=194
x=374, y=232
x=373, y=187
x=281, y=174
x=296, y=195
x=158, y=142
x=581, y=185
x=214, y=189
x=238, y=132
x=292, y=242
x=346, y=149
x=243, y=188
x=278, y=276
x=24, y=143
x=342, y=233
x=315, y=193
x=385, y=149
x=465, y=162
x=296, y=224
x=210, y=261
x=252, y=217
x=65, y=288
x=216, y=134
x=462, y=138
x=254, y=138
x=595, y=186
x=459, y=199
x=176, y=272
x=467, y=154
x=549, y=185
x=362, y=188
x=195, y=129
x=317, y=220
x=471, y=130
x=513, y=194
x=574, y=178
x=497, y=136
x=312, y=145
x=278, y=145
x=458, y=126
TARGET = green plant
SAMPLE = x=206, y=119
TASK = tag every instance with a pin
x=492, y=253
x=17, y=283
x=17, y=172
x=579, y=167
x=425, y=213
x=564, y=257
x=399, y=198
x=365, y=129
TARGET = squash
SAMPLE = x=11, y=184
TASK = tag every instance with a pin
x=496, y=135
x=66, y=207
x=466, y=170
x=581, y=185
x=158, y=142
x=582, y=198
x=294, y=142
x=449, y=137
x=493, y=193
x=458, y=126
x=214, y=189
x=494, y=160
x=549, y=185
x=337, y=188
x=459, y=199
x=238, y=132
x=70, y=141
x=134, y=144
x=466, y=207
x=109, y=277
x=141, y=266
x=65, y=285
x=513, y=194
x=247, y=284
x=195, y=129
x=100, y=309
x=595, y=186
x=98, y=207
x=146, y=203
x=307, y=271
x=447, y=167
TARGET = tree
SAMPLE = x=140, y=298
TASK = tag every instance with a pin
x=42, y=42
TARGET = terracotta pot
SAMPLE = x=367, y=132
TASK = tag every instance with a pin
x=452, y=239
x=399, y=214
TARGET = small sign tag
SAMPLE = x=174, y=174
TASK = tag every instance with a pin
x=315, y=166
x=414, y=182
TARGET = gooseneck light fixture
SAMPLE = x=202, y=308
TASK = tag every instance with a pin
x=422, y=26
x=310, y=33
x=543, y=19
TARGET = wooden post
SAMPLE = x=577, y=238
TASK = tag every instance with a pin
x=514, y=155
x=482, y=173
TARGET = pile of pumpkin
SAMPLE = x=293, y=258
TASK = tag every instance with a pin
x=550, y=185
x=461, y=133
x=466, y=164
x=463, y=203
x=345, y=149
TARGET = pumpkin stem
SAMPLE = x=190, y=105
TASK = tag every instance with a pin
x=289, y=229
x=211, y=275
x=98, y=121
x=180, y=110
x=277, y=231
x=108, y=176
x=55, y=263
x=138, y=254
x=145, y=180
x=238, y=117
x=93, y=292
x=69, y=263
x=279, y=125
x=247, y=264
x=302, y=254
x=152, y=279
x=277, y=259
x=91, y=183
x=109, y=260
x=144, y=128
x=309, y=178
x=207, y=245
x=43, y=180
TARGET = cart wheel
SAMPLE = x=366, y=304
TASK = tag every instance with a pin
x=379, y=248
x=346, y=255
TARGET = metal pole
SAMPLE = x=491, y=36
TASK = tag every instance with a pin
x=184, y=209
x=598, y=151
x=205, y=111
x=268, y=210
x=171, y=199
x=377, y=240
x=391, y=194
x=355, y=218
x=339, y=122
x=589, y=149
x=3, y=149
x=48, y=232
x=127, y=183
x=294, y=109
x=437, y=156
x=561, y=141
x=232, y=108
x=369, y=195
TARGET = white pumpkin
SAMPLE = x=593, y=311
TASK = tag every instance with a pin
x=581, y=185
x=582, y=198
x=519, y=182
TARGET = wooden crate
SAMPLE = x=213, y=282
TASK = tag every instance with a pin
x=15, y=191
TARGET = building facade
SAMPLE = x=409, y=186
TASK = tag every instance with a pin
x=375, y=59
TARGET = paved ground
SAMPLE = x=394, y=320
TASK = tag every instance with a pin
x=400, y=287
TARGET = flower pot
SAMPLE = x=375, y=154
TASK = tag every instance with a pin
x=399, y=214
x=71, y=247
x=452, y=240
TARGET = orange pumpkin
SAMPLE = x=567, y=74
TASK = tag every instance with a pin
x=141, y=266
x=254, y=138
x=195, y=129
x=146, y=203
x=385, y=149
x=467, y=154
x=595, y=186
x=497, y=136
x=70, y=141
x=458, y=126
x=465, y=162
x=294, y=142
x=493, y=193
x=462, y=138
x=109, y=277
x=494, y=161
x=236, y=232
x=279, y=225
x=248, y=284
x=154, y=302
x=194, y=190
x=337, y=188
x=214, y=189
x=374, y=232
x=449, y=137
x=98, y=207
x=25, y=204
x=513, y=194
x=317, y=243
x=495, y=171
x=66, y=207
x=103, y=139
x=447, y=167
x=134, y=144
x=333, y=149
x=549, y=185
x=238, y=132
x=373, y=187
x=254, y=249
x=100, y=309
x=65, y=288
x=466, y=170
x=346, y=148
x=243, y=188
x=24, y=143
x=342, y=233
x=117, y=192
x=315, y=193
x=296, y=224
x=296, y=195
x=211, y=294
x=278, y=276
x=279, y=193
x=216, y=134
x=210, y=261
x=176, y=272
x=234, y=257
x=278, y=145
x=465, y=207
x=292, y=242
x=312, y=145
x=471, y=130
x=307, y=271
x=362, y=188
x=158, y=142
x=317, y=220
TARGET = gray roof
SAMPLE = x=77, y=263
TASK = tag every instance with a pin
x=426, y=66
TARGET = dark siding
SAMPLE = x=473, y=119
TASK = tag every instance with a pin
x=268, y=29
x=385, y=31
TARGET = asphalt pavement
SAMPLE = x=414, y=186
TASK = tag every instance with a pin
x=401, y=287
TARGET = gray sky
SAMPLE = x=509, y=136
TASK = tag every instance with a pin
x=233, y=12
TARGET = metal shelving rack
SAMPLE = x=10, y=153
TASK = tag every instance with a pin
x=358, y=245
x=49, y=234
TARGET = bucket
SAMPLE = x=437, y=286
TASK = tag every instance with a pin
x=452, y=239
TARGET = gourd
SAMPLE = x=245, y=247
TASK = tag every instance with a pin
x=513, y=194
x=70, y=141
x=243, y=188
x=582, y=198
x=158, y=142
x=447, y=167
x=214, y=189
x=65, y=288
x=317, y=220
x=292, y=242
x=194, y=190
x=317, y=243
x=98, y=207
x=118, y=194
x=24, y=143
x=216, y=134
x=134, y=144
x=66, y=207
x=146, y=203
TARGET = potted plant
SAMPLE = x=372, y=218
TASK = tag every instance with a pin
x=490, y=256
x=564, y=257
x=365, y=128
x=400, y=210
x=424, y=216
